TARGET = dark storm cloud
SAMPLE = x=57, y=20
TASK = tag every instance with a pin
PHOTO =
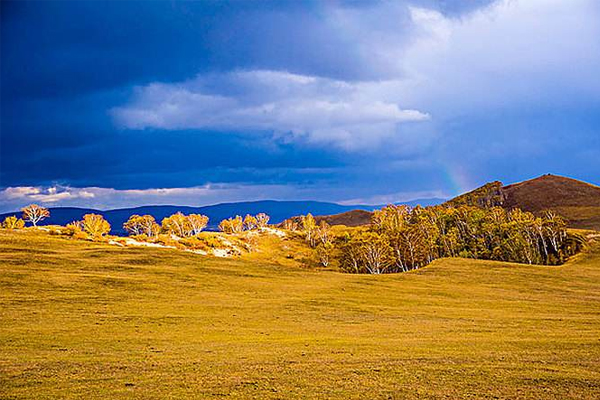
x=494, y=95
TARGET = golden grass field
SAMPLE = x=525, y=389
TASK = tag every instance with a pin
x=88, y=320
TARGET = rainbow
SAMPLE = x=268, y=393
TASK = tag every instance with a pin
x=457, y=179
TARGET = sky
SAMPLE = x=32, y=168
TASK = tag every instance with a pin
x=115, y=104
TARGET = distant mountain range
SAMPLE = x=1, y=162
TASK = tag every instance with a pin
x=277, y=210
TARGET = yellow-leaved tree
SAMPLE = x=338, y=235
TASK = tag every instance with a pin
x=262, y=220
x=142, y=225
x=250, y=222
x=95, y=226
x=13, y=222
x=232, y=225
x=197, y=222
x=309, y=226
x=178, y=225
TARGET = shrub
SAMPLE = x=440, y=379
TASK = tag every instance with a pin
x=13, y=223
x=194, y=243
x=167, y=240
x=75, y=230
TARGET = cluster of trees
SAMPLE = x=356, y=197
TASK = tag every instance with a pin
x=398, y=239
x=182, y=225
x=178, y=224
x=32, y=213
x=401, y=238
x=238, y=224
x=92, y=225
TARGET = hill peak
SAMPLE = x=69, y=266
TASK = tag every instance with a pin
x=577, y=201
x=552, y=179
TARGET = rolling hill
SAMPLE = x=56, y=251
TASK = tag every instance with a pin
x=90, y=320
x=348, y=218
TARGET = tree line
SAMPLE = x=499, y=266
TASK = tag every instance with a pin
x=398, y=239
x=142, y=226
x=401, y=238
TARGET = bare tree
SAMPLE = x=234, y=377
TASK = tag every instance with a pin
x=34, y=213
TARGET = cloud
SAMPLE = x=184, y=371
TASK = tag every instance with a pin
x=13, y=198
x=315, y=109
x=510, y=89
x=423, y=65
x=50, y=194
x=20, y=192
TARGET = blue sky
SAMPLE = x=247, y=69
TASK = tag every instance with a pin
x=112, y=104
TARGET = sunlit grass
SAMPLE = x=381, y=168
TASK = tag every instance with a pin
x=88, y=320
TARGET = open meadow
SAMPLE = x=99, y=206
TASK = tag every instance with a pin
x=80, y=319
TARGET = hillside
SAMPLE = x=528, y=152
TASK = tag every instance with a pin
x=576, y=201
x=89, y=320
x=349, y=218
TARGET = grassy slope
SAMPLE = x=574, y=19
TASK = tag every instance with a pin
x=85, y=320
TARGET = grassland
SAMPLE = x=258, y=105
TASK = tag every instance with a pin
x=89, y=320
